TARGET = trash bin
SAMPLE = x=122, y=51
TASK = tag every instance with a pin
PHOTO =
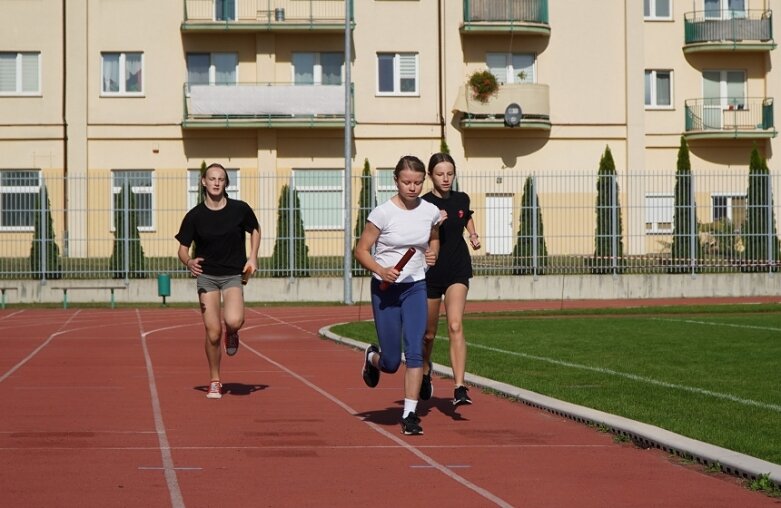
x=163, y=285
x=279, y=14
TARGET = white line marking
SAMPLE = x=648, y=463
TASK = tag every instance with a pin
x=294, y=447
x=633, y=377
x=412, y=449
x=711, y=323
x=153, y=468
x=177, y=501
x=35, y=351
x=12, y=314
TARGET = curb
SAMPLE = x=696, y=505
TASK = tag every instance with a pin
x=642, y=434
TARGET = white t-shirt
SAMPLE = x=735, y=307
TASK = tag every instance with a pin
x=401, y=229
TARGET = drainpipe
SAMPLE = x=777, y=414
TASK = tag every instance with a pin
x=64, y=130
x=440, y=49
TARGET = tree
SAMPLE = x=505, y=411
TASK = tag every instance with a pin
x=291, y=242
x=759, y=233
x=443, y=146
x=530, y=232
x=127, y=256
x=609, y=244
x=45, y=261
x=686, y=242
x=365, y=205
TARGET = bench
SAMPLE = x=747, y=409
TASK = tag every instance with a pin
x=65, y=290
x=3, y=289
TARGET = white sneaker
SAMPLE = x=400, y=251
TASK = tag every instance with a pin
x=215, y=390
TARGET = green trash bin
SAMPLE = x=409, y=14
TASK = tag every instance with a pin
x=163, y=285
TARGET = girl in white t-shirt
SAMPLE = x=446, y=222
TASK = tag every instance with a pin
x=399, y=300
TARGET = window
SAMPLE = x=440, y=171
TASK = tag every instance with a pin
x=397, y=73
x=122, y=73
x=729, y=207
x=20, y=73
x=212, y=68
x=318, y=68
x=658, y=89
x=511, y=67
x=225, y=10
x=194, y=185
x=386, y=185
x=139, y=184
x=657, y=9
x=659, y=212
x=725, y=9
x=320, y=193
x=19, y=190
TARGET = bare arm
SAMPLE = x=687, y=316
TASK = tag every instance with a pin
x=254, y=246
x=474, y=238
x=192, y=264
x=363, y=254
x=432, y=253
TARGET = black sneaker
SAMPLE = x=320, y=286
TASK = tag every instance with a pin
x=231, y=343
x=460, y=396
x=370, y=373
x=410, y=426
x=426, y=388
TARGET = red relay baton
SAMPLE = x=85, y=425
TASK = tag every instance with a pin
x=399, y=266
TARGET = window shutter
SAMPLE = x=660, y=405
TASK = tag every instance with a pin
x=30, y=72
x=7, y=72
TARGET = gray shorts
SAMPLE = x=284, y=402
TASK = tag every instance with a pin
x=208, y=283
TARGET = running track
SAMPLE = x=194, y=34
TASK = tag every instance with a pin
x=107, y=408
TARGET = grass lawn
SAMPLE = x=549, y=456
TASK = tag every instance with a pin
x=709, y=373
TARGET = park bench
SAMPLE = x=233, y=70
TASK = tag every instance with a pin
x=3, y=289
x=75, y=287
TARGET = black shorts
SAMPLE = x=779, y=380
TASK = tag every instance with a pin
x=436, y=289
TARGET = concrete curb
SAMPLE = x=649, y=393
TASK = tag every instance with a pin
x=645, y=435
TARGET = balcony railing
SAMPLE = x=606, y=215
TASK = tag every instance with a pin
x=534, y=100
x=749, y=30
x=264, y=105
x=722, y=117
x=265, y=15
x=530, y=16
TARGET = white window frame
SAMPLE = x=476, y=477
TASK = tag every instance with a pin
x=194, y=185
x=18, y=190
x=19, y=73
x=122, y=92
x=724, y=12
x=659, y=213
x=510, y=73
x=235, y=11
x=304, y=191
x=317, y=71
x=137, y=189
x=652, y=8
x=724, y=87
x=396, y=92
x=213, y=67
x=654, y=92
x=729, y=205
x=385, y=186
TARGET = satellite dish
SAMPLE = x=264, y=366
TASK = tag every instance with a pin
x=512, y=115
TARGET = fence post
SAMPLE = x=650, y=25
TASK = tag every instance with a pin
x=291, y=228
x=534, y=227
x=614, y=224
x=770, y=228
x=692, y=226
x=126, y=219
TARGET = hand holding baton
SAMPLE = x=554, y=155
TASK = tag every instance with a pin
x=399, y=266
x=245, y=275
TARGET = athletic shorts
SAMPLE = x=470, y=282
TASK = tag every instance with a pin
x=209, y=283
x=436, y=289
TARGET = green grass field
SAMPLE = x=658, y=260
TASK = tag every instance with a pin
x=709, y=373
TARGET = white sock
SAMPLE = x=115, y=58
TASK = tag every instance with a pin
x=371, y=357
x=409, y=407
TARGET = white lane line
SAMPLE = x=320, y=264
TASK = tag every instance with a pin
x=158, y=468
x=177, y=501
x=12, y=314
x=712, y=323
x=307, y=447
x=633, y=377
x=400, y=442
x=35, y=351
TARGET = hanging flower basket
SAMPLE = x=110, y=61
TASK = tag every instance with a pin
x=483, y=85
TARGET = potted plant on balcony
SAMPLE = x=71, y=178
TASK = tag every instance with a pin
x=483, y=84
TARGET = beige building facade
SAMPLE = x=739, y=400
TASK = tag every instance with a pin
x=113, y=92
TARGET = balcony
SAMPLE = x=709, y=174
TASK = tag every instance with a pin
x=722, y=117
x=264, y=105
x=534, y=100
x=322, y=16
x=749, y=30
x=497, y=16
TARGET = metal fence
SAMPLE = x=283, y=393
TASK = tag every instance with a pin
x=122, y=226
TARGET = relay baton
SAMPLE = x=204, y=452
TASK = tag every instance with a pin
x=399, y=266
x=245, y=275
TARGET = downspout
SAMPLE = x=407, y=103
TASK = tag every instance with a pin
x=64, y=129
x=440, y=49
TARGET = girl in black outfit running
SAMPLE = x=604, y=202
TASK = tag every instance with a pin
x=449, y=277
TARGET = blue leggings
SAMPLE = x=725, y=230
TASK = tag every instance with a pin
x=400, y=314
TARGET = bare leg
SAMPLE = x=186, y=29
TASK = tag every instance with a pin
x=412, y=379
x=210, y=310
x=431, y=332
x=233, y=309
x=455, y=301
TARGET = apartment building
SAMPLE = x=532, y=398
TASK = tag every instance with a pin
x=101, y=95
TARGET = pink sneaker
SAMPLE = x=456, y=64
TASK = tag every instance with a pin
x=215, y=390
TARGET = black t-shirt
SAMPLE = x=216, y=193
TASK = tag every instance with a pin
x=454, y=261
x=219, y=236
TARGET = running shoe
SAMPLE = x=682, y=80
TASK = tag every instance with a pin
x=426, y=388
x=370, y=373
x=215, y=390
x=460, y=396
x=410, y=426
x=231, y=343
